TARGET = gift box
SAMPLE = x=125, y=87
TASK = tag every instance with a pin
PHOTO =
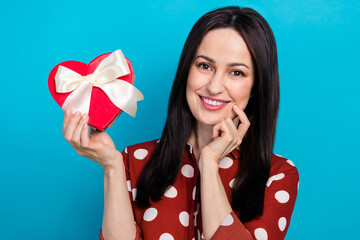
x=103, y=88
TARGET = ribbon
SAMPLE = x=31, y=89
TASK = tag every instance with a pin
x=121, y=93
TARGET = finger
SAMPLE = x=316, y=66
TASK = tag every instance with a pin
x=93, y=131
x=70, y=127
x=76, y=136
x=217, y=129
x=229, y=131
x=229, y=124
x=244, y=121
x=223, y=135
x=67, y=116
x=84, y=138
x=222, y=128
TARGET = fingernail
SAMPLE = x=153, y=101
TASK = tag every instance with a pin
x=67, y=113
x=84, y=116
x=85, y=126
x=236, y=107
x=77, y=113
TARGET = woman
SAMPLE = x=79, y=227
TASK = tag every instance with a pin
x=212, y=175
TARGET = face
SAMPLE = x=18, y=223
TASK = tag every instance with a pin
x=220, y=76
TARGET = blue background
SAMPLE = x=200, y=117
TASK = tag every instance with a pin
x=50, y=192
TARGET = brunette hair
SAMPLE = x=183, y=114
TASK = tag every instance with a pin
x=163, y=166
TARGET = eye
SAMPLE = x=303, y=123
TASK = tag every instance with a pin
x=204, y=66
x=238, y=73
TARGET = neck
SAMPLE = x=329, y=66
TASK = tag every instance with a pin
x=200, y=136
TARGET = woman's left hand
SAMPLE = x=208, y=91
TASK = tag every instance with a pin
x=226, y=137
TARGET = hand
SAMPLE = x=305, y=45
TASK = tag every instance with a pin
x=98, y=147
x=226, y=137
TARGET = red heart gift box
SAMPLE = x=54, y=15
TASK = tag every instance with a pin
x=102, y=110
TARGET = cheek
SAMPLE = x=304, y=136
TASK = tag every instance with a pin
x=240, y=93
x=193, y=81
x=190, y=89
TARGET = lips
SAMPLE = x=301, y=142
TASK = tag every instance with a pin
x=212, y=104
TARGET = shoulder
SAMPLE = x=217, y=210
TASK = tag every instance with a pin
x=279, y=162
x=137, y=155
x=283, y=167
x=141, y=148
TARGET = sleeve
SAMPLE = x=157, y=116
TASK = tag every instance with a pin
x=231, y=228
x=138, y=235
x=279, y=201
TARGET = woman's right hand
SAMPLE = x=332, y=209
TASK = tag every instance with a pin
x=98, y=147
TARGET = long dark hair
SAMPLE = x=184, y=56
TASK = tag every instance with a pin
x=163, y=166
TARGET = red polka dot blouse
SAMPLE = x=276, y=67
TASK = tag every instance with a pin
x=178, y=215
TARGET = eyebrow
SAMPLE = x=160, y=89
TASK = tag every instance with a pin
x=213, y=61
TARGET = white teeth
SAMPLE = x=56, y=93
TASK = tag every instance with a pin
x=211, y=102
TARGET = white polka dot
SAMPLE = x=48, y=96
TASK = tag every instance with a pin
x=193, y=238
x=227, y=221
x=128, y=183
x=291, y=163
x=184, y=218
x=140, y=154
x=278, y=155
x=278, y=176
x=260, y=234
x=226, y=162
x=166, y=236
x=171, y=192
x=282, y=223
x=198, y=233
x=187, y=171
x=275, y=178
x=202, y=236
x=125, y=150
x=282, y=196
x=150, y=214
x=194, y=193
x=158, y=141
x=134, y=191
x=231, y=183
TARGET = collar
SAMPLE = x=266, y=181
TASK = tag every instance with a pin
x=236, y=152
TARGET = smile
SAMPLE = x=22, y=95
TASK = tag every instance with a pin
x=212, y=104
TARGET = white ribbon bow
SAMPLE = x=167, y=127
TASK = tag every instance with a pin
x=121, y=93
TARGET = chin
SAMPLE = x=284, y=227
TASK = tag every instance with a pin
x=213, y=120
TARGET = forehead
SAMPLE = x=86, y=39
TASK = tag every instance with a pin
x=225, y=45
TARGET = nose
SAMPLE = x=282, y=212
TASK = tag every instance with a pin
x=216, y=84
